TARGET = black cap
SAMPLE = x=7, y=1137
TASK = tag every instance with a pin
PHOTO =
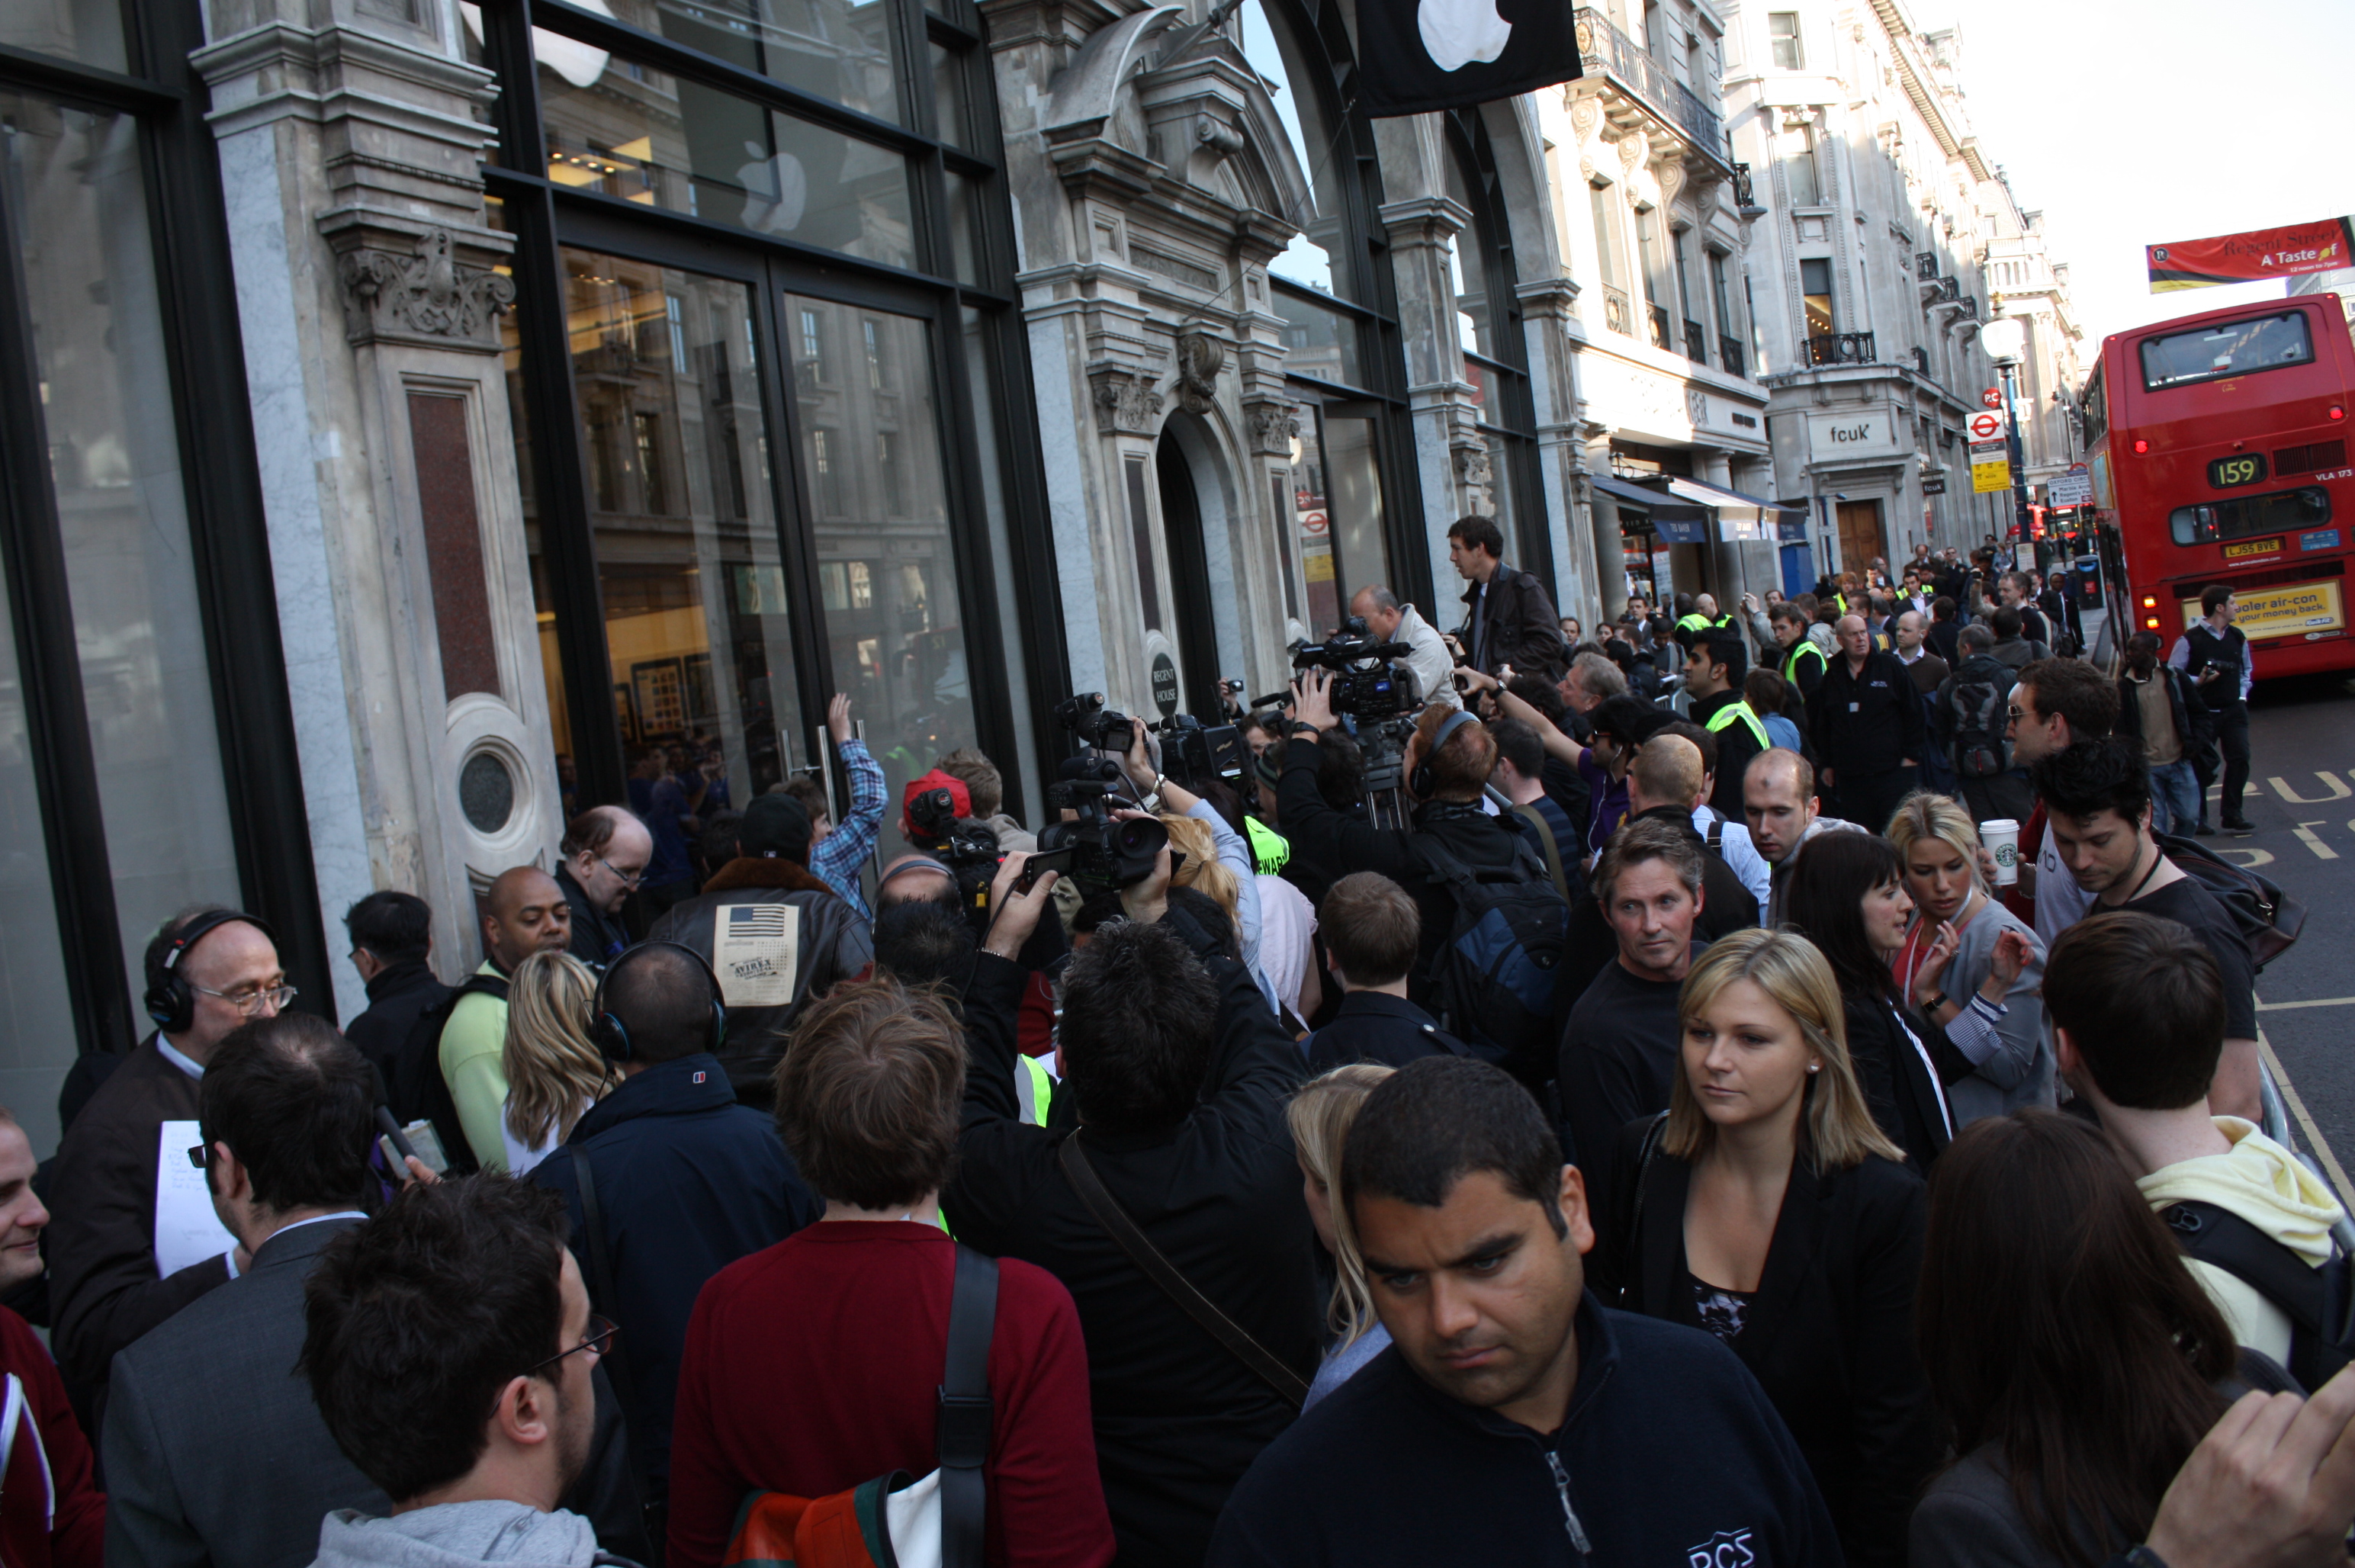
x=774, y=825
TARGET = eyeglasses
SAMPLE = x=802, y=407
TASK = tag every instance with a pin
x=627, y=879
x=249, y=1003
x=2018, y=714
x=597, y=1342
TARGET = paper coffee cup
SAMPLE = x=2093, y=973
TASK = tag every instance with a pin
x=2001, y=837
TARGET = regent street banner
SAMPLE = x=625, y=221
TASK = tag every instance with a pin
x=1415, y=56
x=2251, y=257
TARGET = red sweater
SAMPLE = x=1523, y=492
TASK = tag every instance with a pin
x=52, y=1514
x=816, y=1365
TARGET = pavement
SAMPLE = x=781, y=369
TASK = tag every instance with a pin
x=2301, y=799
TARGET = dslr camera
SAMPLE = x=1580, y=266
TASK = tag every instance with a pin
x=1370, y=680
x=967, y=849
x=1092, y=848
x=1084, y=713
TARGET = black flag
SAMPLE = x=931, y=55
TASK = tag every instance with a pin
x=1415, y=56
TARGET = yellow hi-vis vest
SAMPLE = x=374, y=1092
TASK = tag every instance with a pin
x=1724, y=716
x=1270, y=849
x=1806, y=644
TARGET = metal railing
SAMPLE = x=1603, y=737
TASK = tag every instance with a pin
x=1617, y=313
x=1600, y=44
x=1696, y=343
x=1660, y=339
x=1921, y=359
x=1729, y=356
x=1744, y=195
x=1841, y=348
x=1925, y=266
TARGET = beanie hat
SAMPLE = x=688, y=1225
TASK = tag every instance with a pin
x=775, y=826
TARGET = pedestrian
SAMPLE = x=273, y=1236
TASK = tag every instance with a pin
x=1389, y=621
x=2157, y=706
x=1866, y=720
x=1803, y=663
x=553, y=1069
x=1512, y=1419
x=1944, y=634
x=392, y=947
x=1509, y=617
x=1520, y=776
x=209, y=971
x=666, y=1180
x=2055, y=704
x=1319, y=1117
x=524, y=912
x=1780, y=807
x=1986, y=998
x=2012, y=646
x=1618, y=723
x=1775, y=1214
x=1769, y=697
x=602, y=861
x=2099, y=796
x=1726, y=838
x=1619, y=1046
x=2075, y=1363
x=669, y=813
x=450, y=1349
x=1969, y=714
x=2138, y=1019
x=1847, y=896
x=1373, y=929
x=1714, y=670
x=869, y=1101
x=2215, y=653
x=984, y=789
x=52, y=1514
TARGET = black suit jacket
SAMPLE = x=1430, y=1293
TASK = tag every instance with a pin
x=1829, y=1332
x=1372, y=1026
x=1517, y=627
x=1899, y=1087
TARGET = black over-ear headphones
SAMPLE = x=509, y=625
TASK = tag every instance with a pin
x=1421, y=781
x=612, y=1037
x=170, y=1001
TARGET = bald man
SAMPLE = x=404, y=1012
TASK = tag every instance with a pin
x=524, y=912
x=1393, y=622
x=1868, y=726
x=605, y=852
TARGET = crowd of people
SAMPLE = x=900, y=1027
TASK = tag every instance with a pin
x=1680, y=1139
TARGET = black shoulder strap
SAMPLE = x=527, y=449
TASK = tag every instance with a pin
x=1176, y=1285
x=1535, y=818
x=1717, y=833
x=2218, y=1237
x=601, y=1268
x=961, y=1443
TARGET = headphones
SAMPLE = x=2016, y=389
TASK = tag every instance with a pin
x=1420, y=781
x=170, y=1001
x=612, y=1037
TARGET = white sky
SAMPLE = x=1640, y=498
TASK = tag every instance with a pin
x=2134, y=122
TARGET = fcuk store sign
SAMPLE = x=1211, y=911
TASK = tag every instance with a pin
x=1849, y=435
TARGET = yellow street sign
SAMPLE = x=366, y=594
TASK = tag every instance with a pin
x=1987, y=476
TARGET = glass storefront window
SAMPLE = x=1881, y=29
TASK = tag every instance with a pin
x=89, y=31
x=837, y=49
x=871, y=449
x=664, y=363
x=1308, y=259
x=79, y=204
x=37, y=1020
x=1318, y=340
x=1313, y=518
x=627, y=130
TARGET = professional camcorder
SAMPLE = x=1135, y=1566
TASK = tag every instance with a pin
x=1092, y=848
x=1370, y=680
x=1084, y=713
x=1193, y=754
x=968, y=849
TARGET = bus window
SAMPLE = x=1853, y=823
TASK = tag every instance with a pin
x=2233, y=348
x=2281, y=511
x=2098, y=408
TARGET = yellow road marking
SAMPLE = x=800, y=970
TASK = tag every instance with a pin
x=2317, y=1002
x=2322, y=1150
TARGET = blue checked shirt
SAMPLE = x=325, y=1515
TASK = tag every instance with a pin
x=838, y=857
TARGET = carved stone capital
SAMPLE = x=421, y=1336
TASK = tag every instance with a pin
x=1125, y=402
x=1274, y=425
x=1472, y=466
x=1200, y=358
x=426, y=295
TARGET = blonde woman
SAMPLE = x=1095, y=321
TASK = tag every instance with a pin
x=1319, y=1117
x=1773, y=1212
x=554, y=1074
x=1987, y=996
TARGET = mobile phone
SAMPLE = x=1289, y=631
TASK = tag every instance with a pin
x=1039, y=864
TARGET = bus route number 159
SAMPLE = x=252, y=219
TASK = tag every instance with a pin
x=2226, y=473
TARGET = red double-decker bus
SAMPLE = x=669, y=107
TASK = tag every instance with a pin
x=2219, y=450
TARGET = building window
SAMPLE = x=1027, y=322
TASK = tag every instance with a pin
x=1801, y=175
x=826, y=466
x=812, y=346
x=868, y=335
x=1815, y=295
x=1716, y=286
x=1606, y=233
x=1783, y=32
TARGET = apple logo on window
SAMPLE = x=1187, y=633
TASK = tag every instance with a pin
x=1458, y=32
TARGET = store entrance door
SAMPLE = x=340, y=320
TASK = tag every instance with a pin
x=1861, y=538
x=1189, y=580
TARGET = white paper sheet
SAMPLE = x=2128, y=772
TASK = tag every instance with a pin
x=187, y=1228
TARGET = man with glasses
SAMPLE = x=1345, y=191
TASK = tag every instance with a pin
x=209, y=970
x=604, y=853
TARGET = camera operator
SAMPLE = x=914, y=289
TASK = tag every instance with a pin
x=1391, y=621
x=1159, y=793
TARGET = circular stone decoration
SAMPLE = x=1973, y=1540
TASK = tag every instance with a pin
x=486, y=792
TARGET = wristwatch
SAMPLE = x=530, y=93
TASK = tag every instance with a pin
x=1935, y=1002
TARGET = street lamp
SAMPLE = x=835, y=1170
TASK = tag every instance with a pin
x=2005, y=340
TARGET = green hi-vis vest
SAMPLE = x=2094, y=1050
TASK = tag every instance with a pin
x=1724, y=716
x=1034, y=1089
x=1270, y=849
x=1806, y=644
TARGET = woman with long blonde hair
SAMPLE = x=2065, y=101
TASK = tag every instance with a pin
x=1203, y=871
x=554, y=1072
x=1319, y=1116
x=1769, y=1210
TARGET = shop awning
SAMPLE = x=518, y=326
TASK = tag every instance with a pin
x=1675, y=520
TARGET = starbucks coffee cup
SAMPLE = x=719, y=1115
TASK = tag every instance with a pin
x=2001, y=837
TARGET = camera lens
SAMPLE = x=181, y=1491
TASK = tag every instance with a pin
x=1138, y=838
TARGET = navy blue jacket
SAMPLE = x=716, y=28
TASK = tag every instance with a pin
x=1670, y=1455
x=688, y=1182
x=1372, y=1026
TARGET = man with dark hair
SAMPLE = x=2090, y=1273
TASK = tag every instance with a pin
x=1803, y=663
x=2138, y=1020
x=926, y=943
x=1520, y=774
x=1180, y=1073
x=2057, y=703
x=2157, y=707
x=667, y=1179
x=450, y=1350
x=1713, y=674
x=1619, y=1050
x=1969, y=714
x=1512, y=1420
x=1946, y=631
x=2098, y=794
x=212, y=970
x=603, y=857
x=392, y=943
x=2011, y=647
x=2215, y=653
x=1866, y=721
x=1372, y=930
x=773, y=933
x=524, y=912
x=1564, y=784
x=1509, y=617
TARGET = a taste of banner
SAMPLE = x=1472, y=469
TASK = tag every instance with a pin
x=2258, y=255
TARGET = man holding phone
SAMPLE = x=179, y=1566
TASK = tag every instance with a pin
x=2215, y=653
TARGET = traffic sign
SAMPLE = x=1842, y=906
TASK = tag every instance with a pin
x=1988, y=477
x=1987, y=427
x=1992, y=398
x=2074, y=488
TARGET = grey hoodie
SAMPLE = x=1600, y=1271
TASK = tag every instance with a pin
x=458, y=1535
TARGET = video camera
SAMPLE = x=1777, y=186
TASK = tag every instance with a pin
x=1092, y=848
x=1193, y=753
x=1084, y=713
x=1370, y=680
x=968, y=849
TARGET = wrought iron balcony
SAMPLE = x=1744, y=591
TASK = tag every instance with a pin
x=1617, y=313
x=1660, y=339
x=1745, y=194
x=1604, y=47
x=1696, y=343
x=1921, y=359
x=1729, y=356
x=1925, y=266
x=1841, y=348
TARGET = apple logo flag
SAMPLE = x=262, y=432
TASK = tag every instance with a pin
x=1420, y=55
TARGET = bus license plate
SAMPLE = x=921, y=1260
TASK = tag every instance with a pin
x=2247, y=547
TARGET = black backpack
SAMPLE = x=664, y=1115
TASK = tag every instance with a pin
x=1980, y=719
x=2270, y=920
x=415, y=1087
x=1492, y=981
x=2318, y=1302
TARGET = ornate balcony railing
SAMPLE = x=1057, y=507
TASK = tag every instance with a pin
x=1925, y=266
x=1729, y=356
x=1602, y=45
x=1841, y=348
x=1696, y=343
x=1746, y=195
x=1617, y=313
x=1660, y=339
